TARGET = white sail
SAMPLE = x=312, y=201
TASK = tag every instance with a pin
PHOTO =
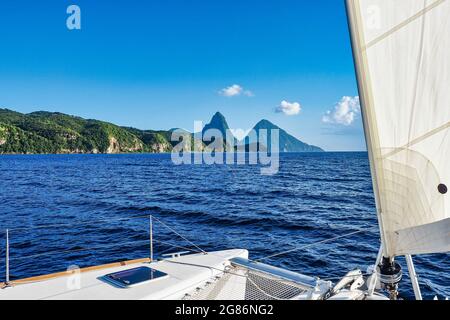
x=402, y=54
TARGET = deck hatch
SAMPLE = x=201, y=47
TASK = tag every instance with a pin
x=133, y=277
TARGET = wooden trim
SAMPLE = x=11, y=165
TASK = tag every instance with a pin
x=69, y=272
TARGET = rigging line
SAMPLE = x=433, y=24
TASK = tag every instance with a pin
x=78, y=250
x=101, y=247
x=310, y=245
x=165, y=225
x=159, y=241
x=78, y=224
x=417, y=140
x=403, y=24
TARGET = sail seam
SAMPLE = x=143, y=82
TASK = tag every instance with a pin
x=417, y=140
x=403, y=24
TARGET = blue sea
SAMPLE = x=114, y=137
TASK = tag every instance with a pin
x=84, y=210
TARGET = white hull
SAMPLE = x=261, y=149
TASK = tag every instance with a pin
x=222, y=275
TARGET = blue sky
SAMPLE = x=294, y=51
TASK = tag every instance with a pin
x=162, y=64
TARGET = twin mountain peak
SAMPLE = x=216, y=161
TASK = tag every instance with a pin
x=287, y=142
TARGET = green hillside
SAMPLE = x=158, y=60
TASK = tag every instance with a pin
x=52, y=132
x=47, y=132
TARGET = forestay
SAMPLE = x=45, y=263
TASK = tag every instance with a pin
x=402, y=55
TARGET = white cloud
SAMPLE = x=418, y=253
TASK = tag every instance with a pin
x=344, y=112
x=289, y=108
x=235, y=90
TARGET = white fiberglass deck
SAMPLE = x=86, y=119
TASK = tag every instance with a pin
x=186, y=273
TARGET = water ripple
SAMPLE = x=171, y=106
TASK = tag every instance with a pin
x=314, y=197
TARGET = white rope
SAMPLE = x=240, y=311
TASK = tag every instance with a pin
x=101, y=247
x=105, y=245
x=78, y=223
x=310, y=245
x=171, y=229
